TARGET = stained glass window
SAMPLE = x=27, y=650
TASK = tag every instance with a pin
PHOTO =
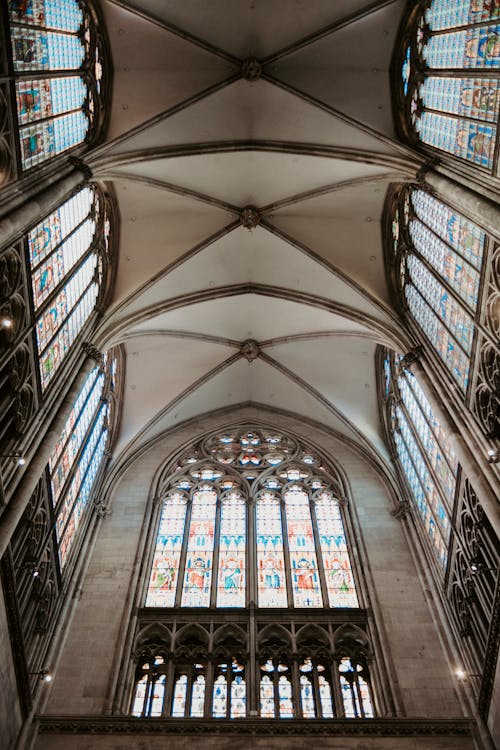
x=426, y=457
x=77, y=457
x=55, y=112
x=290, y=513
x=356, y=694
x=65, y=253
x=450, y=85
x=440, y=276
x=251, y=521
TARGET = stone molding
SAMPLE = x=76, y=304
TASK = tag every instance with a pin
x=129, y=725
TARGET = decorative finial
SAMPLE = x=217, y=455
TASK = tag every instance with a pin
x=251, y=69
x=250, y=350
x=250, y=217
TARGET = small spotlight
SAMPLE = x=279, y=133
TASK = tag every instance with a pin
x=460, y=674
x=35, y=573
x=6, y=323
x=493, y=456
x=46, y=677
x=43, y=675
x=21, y=461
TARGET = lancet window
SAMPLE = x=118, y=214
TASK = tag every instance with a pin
x=445, y=269
x=252, y=528
x=251, y=516
x=450, y=82
x=449, y=516
x=58, y=74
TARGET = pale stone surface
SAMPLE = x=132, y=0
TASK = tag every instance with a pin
x=216, y=742
x=10, y=712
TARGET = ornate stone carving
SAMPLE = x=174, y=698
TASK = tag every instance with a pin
x=402, y=510
x=251, y=69
x=92, y=351
x=81, y=166
x=250, y=350
x=250, y=217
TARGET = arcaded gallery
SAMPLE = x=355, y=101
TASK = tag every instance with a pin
x=249, y=374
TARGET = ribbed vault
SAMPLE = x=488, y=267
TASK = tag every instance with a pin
x=251, y=147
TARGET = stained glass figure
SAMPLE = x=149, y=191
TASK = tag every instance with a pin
x=219, y=707
x=285, y=697
x=232, y=546
x=55, y=113
x=198, y=573
x=270, y=559
x=140, y=695
x=165, y=568
x=336, y=562
x=307, y=697
x=304, y=567
x=64, y=247
x=450, y=103
x=325, y=694
x=198, y=696
x=267, y=709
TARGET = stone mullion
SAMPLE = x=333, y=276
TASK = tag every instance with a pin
x=215, y=553
x=286, y=553
x=184, y=551
x=169, y=688
x=316, y=693
x=338, y=703
x=251, y=554
x=319, y=553
x=252, y=674
x=209, y=688
x=296, y=691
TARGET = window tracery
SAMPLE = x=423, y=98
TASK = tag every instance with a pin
x=250, y=522
x=445, y=270
x=58, y=72
x=449, y=88
x=255, y=496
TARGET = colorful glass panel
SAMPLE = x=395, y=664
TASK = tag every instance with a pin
x=238, y=697
x=232, y=543
x=463, y=235
x=464, y=138
x=333, y=543
x=157, y=696
x=432, y=448
x=307, y=698
x=477, y=47
x=140, y=696
x=450, y=266
x=446, y=14
x=74, y=432
x=443, y=342
x=325, y=694
x=65, y=15
x=271, y=582
x=198, y=697
x=475, y=98
x=179, y=698
x=304, y=567
x=45, y=237
x=198, y=573
x=419, y=496
x=266, y=697
x=285, y=697
x=165, y=567
x=219, y=704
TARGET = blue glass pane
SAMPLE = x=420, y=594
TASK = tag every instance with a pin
x=45, y=50
x=445, y=14
x=466, y=139
x=65, y=15
x=478, y=98
x=43, y=140
x=477, y=47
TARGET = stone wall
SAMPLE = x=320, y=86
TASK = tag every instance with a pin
x=10, y=711
x=84, y=683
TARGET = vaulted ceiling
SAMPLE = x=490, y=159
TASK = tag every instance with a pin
x=251, y=146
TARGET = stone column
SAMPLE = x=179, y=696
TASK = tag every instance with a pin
x=473, y=205
x=36, y=464
x=470, y=464
x=41, y=204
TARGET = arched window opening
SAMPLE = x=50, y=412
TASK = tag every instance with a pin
x=46, y=542
x=252, y=530
x=426, y=456
x=68, y=256
x=222, y=513
x=60, y=77
x=356, y=699
x=445, y=271
x=150, y=690
x=448, y=514
x=449, y=89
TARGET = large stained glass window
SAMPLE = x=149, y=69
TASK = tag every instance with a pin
x=79, y=454
x=450, y=80
x=440, y=254
x=67, y=254
x=251, y=533
x=251, y=496
x=426, y=457
x=58, y=72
